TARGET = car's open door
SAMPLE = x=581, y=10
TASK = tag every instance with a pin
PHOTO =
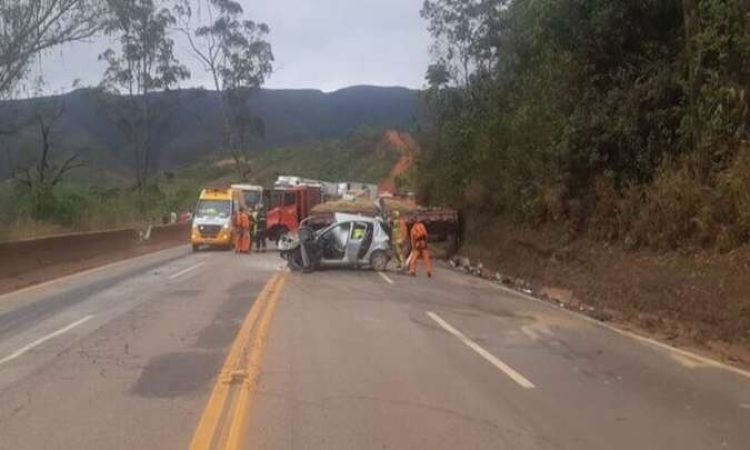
x=356, y=238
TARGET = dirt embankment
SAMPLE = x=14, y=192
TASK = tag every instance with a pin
x=699, y=300
x=28, y=262
x=408, y=148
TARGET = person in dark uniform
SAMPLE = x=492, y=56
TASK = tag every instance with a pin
x=260, y=228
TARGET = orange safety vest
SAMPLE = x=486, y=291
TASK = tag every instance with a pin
x=244, y=221
x=419, y=236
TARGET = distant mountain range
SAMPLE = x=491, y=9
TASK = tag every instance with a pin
x=191, y=129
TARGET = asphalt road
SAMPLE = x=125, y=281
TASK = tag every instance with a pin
x=162, y=351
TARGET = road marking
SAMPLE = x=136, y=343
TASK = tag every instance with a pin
x=189, y=269
x=208, y=427
x=386, y=278
x=227, y=408
x=243, y=409
x=506, y=369
x=44, y=339
x=674, y=350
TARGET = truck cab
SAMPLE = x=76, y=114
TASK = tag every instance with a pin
x=212, y=219
x=288, y=207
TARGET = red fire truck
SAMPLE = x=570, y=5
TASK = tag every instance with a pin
x=289, y=206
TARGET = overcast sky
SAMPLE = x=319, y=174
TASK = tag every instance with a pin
x=320, y=44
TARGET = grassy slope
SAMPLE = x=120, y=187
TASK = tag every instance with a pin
x=361, y=157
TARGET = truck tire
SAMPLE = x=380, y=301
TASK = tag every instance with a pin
x=379, y=260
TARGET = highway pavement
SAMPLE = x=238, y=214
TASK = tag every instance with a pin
x=182, y=350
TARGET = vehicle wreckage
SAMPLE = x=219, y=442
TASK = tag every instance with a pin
x=351, y=241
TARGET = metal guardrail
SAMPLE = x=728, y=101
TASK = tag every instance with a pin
x=19, y=257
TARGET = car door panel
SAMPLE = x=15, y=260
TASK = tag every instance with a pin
x=356, y=237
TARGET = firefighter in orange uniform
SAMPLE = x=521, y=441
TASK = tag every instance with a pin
x=244, y=241
x=419, y=249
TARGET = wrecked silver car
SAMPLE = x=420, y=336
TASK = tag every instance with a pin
x=351, y=241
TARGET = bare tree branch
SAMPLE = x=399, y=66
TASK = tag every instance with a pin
x=28, y=27
x=71, y=163
x=23, y=176
x=45, y=127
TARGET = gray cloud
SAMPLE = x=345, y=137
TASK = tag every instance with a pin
x=321, y=44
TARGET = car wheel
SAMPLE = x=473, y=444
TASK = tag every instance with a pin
x=379, y=260
x=196, y=247
x=294, y=259
x=281, y=233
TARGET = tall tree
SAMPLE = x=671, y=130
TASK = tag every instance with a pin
x=144, y=63
x=28, y=27
x=42, y=170
x=689, y=18
x=464, y=35
x=234, y=51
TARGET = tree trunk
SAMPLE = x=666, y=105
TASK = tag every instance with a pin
x=744, y=12
x=689, y=17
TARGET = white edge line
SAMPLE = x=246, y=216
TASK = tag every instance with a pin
x=189, y=269
x=630, y=334
x=509, y=371
x=386, y=278
x=44, y=339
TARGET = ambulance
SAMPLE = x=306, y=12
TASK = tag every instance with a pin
x=212, y=219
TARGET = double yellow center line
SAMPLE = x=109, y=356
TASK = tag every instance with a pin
x=226, y=418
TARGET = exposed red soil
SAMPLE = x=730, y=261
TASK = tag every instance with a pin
x=405, y=144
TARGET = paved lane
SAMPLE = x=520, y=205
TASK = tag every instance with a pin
x=355, y=361
x=126, y=358
x=137, y=374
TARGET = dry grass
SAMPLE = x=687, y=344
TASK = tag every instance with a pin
x=30, y=229
x=678, y=210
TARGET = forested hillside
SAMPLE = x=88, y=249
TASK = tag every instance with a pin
x=80, y=204
x=188, y=128
x=618, y=119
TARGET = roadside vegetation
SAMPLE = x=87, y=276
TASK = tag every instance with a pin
x=90, y=200
x=81, y=205
x=617, y=120
x=598, y=150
